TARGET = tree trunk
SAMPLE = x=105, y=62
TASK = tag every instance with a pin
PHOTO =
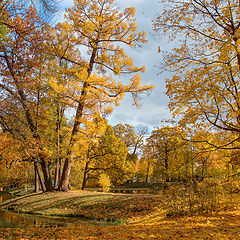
x=36, y=179
x=147, y=175
x=40, y=177
x=56, y=178
x=64, y=184
x=58, y=169
x=192, y=162
x=68, y=161
x=166, y=164
x=85, y=176
x=70, y=156
x=46, y=175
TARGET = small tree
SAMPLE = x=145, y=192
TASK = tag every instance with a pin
x=104, y=182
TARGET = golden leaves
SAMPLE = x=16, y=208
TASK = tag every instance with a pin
x=205, y=83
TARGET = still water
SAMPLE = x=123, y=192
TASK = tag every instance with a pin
x=10, y=219
x=136, y=191
x=4, y=196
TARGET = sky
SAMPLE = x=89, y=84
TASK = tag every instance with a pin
x=153, y=109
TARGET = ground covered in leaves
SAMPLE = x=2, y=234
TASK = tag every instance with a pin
x=142, y=217
x=224, y=226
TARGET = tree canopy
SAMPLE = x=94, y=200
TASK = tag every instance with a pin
x=205, y=59
x=55, y=80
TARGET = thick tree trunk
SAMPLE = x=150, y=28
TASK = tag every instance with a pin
x=56, y=178
x=84, y=181
x=46, y=175
x=40, y=177
x=60, y=171
x=68, y=161
x=64, y=184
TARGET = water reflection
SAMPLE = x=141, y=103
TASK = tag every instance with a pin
x=136, y=191
x=4, y=196
x=10, y=219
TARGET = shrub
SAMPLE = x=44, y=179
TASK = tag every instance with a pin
x=194, y=197
x=104, y=182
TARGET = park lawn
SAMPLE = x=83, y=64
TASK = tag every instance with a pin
x=86, y=204
x=142, y=217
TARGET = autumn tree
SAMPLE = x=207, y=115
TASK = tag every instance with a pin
x=98, y=152
x=133, y=137
x=87, y=148
x=147, y=162
x=59, y=76
x=13, y=168
x=45, y=8
x=204, y=88
x=75, y=66
x=166, y=146
x=23, y=95
x=3, y=17
x=100, y=31
x=209, y=160
x=107, y=155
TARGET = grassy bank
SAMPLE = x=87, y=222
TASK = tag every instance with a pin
x=86, y=204
x=138, y=217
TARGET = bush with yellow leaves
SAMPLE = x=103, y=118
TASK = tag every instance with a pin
x=105, y=182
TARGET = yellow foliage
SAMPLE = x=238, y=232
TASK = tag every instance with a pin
x=104, y=182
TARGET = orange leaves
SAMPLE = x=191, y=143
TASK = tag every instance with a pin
x=122, y=207
x=72, y=66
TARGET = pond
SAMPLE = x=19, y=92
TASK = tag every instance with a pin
x=136, y=191
x=4, y=196
x=11, y=219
